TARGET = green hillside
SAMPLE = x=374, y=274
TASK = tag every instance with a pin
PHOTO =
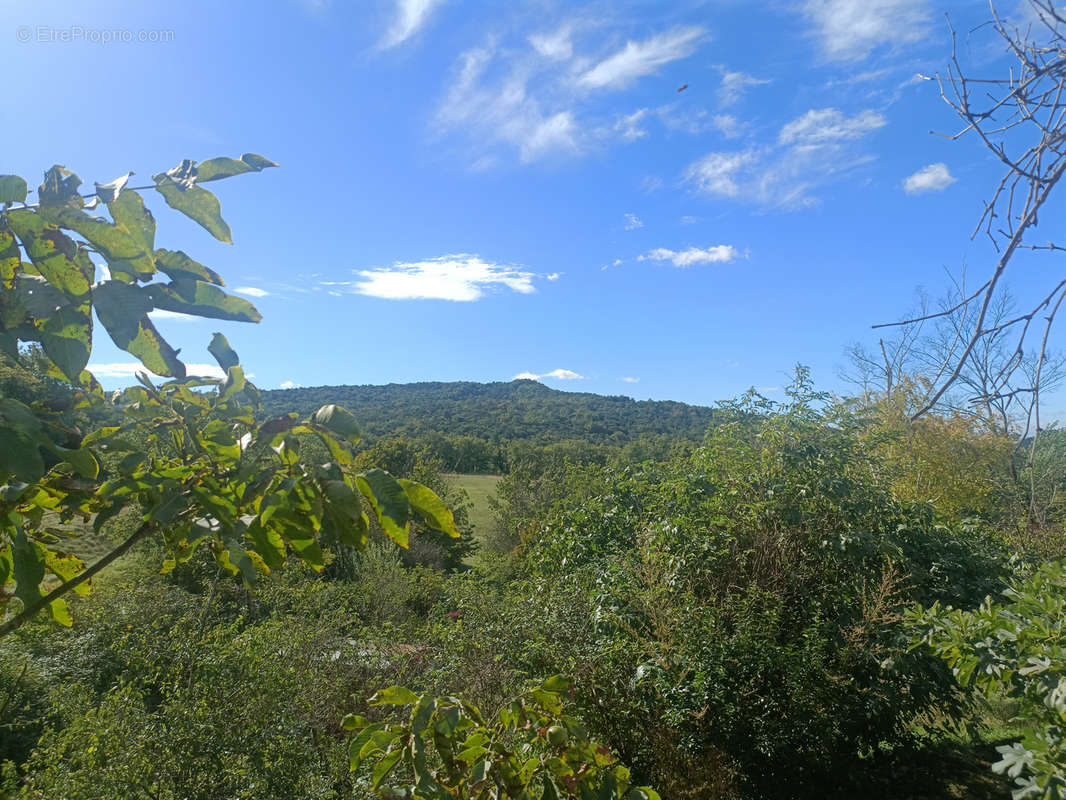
x=519, y=410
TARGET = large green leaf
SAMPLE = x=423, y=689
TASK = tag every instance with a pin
x=225, y=355
x=223, y=167
x=202, y=299
x=123, y=311
x=338, y=420
x=20, y=456
x=430, y=507
x=196, y=203
x=12, y=189
x=60, y=188
x=28, y=560
x=10, y=256
x=51, y=251
x=389, y=502
x=180, y=267
x=66, y=337
x=134, y=218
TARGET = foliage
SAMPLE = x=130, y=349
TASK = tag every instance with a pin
x=210, y=474
x=1013, y=647
x=531, y=749
x=470, y=426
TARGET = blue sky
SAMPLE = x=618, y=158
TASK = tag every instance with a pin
x=479, y=190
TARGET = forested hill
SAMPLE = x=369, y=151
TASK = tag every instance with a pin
x=520, y=410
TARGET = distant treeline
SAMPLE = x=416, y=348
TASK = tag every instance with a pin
x=485, y=427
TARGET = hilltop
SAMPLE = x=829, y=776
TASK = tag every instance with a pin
x=520, y=410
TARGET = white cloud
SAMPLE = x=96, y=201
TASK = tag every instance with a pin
x=410, y=16
x=628, y=125
x=288, y=385
x=507, y=111
x=637, y=59
x=172, y=316
x=734, y=85
x=720, y=254
x=251, y=291
x=850, y=29
x=460, y=277
x=823, y=125
x=556, y=45
x=689, y=220
x=811, y=151
x=129, y=369
x=717, y=173
x=633, y=222
x=559, y=374
x=631, y=380
x=933, y=178
x=728, y=125
x=553, y=276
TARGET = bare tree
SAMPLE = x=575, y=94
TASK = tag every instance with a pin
x=1021, y=119
x=994, y=384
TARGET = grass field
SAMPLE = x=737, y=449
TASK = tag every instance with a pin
x=480, y=488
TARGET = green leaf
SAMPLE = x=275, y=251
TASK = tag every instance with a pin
x=430, y=507
x=60, y=188
x=66, y=337
x=28, y=560
x=136, y=221
x=196, y=203
x=556, y=683
x=223, y=353
x=394, y=696
x=257, y=162
x=356, y=747
x=123, y=311
x=221, y=167
x=60, y=613
x=202, y=299
x=353, y=722
x=384, y=767
x=389, y=501
x=51, y=251
x=180, y=267
x=19, y=456
x=83, y=461
x=12, y=189
x=10, y=256
x=339, y=420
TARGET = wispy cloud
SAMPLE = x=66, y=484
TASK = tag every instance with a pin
x=734, y=85
x=719, y=254
x=288, y=385
x=826, y=125
x=410, y=16
x=633, y=222
x=557, y=374
x=631, y=380
x=849, y=30
x=461, y=277
x=933, y=178
x=129, y=369
x=554, y=276
x=628, y=125
x=638, y=59
x=557, y=45
x=251, y=291
x=541, y=96
x=814, y=149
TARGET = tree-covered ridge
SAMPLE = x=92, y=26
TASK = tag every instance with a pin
x=500, y=411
